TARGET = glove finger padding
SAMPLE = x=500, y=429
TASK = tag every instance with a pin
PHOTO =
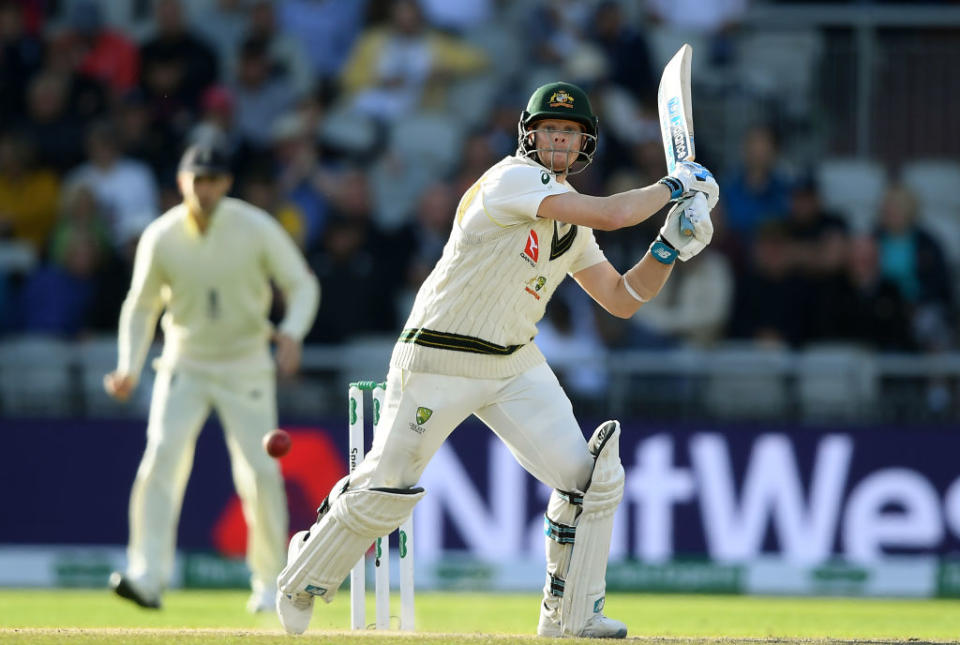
x=697, y=179
x=697, y=212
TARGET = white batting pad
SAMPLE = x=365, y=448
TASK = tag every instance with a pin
x=584, y=585
x=342, y=535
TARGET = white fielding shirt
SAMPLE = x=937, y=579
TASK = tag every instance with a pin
x=215, y=288
x=476, y=313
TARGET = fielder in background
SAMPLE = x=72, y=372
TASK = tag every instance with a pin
x=467, y=349
x=208, y=262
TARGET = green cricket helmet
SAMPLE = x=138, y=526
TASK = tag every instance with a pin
x=558, y=100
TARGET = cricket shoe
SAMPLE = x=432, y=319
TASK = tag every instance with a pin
x=126, y=588
x=295, y=609
x=598, y=626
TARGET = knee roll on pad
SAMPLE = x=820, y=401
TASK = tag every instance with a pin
x=578, y=530
x=341, y=535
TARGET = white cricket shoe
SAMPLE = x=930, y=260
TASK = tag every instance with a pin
x=598, y=626
x=262, y=601
x=295, y=609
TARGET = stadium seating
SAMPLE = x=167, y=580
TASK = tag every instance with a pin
x=428, y=138
x=746, y=381
x=836, y=381
x=16, y=257
x=396, y=186
x=790, y=58
x=854, y=188
x=35, y=378
x=349, y=132
x=470, y=99
x=935, y=182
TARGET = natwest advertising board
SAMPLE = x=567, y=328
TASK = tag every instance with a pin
x=728, y=494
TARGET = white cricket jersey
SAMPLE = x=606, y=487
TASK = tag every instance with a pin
x=215, y=288
x=476, y=313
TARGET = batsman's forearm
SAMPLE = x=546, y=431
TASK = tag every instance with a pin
x=645, y=278
x=137, y=324
x=634, y=206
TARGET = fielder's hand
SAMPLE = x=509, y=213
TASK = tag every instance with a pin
x=696, y=178
x=697, y=212
x=118, y=385
x=287, y=354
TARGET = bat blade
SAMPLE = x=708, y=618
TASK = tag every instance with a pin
x=675, y=109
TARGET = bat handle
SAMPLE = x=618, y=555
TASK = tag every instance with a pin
x=686, y=226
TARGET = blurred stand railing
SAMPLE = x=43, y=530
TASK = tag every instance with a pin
x=738, y=382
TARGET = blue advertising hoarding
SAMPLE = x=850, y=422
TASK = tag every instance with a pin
x=729, y=493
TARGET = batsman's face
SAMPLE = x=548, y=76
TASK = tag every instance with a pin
x=558, y=142
x=202, y=193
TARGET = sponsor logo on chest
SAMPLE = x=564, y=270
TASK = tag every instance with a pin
x=531, y=252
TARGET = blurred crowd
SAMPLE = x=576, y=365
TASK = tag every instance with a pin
x=358, y=125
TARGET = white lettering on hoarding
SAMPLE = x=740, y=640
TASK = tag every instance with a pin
x=654, y=485
x=772, y=491
x=490, y=533
x=951, y=507
x=894, y=508
x=870, y=524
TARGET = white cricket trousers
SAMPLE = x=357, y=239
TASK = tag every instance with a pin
x=182, y=401
x=530, y=412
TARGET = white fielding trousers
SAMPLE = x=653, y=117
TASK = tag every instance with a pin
x=530, y=412
x=182, y=401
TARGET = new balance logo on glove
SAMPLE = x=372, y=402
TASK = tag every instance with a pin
x=662, y=252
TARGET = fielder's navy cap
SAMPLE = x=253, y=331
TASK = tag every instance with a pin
x=205, y=159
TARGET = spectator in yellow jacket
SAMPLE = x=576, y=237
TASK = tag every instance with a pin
x=404, y=65
x=28, y=194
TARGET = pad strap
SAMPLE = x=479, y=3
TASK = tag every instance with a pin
x=574, y=498
x=559, y=533
x=556, y=586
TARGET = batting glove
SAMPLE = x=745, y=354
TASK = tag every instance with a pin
x=692, y=177
x=696, y=211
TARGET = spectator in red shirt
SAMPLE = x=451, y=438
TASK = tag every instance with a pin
x=105, y=55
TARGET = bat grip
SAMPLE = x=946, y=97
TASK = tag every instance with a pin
x=686, y=226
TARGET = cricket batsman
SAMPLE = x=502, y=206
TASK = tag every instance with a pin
x=208, y=263
x=468, y=349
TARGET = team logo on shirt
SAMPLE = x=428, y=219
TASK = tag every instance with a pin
x=560, y=98
x=532, y=250
x=534, y=285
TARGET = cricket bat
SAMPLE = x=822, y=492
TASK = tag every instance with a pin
x=676, y=115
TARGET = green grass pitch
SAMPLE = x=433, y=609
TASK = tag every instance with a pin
x=91, y=616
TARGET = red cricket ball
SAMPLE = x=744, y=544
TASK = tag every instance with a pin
x=277, y=443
